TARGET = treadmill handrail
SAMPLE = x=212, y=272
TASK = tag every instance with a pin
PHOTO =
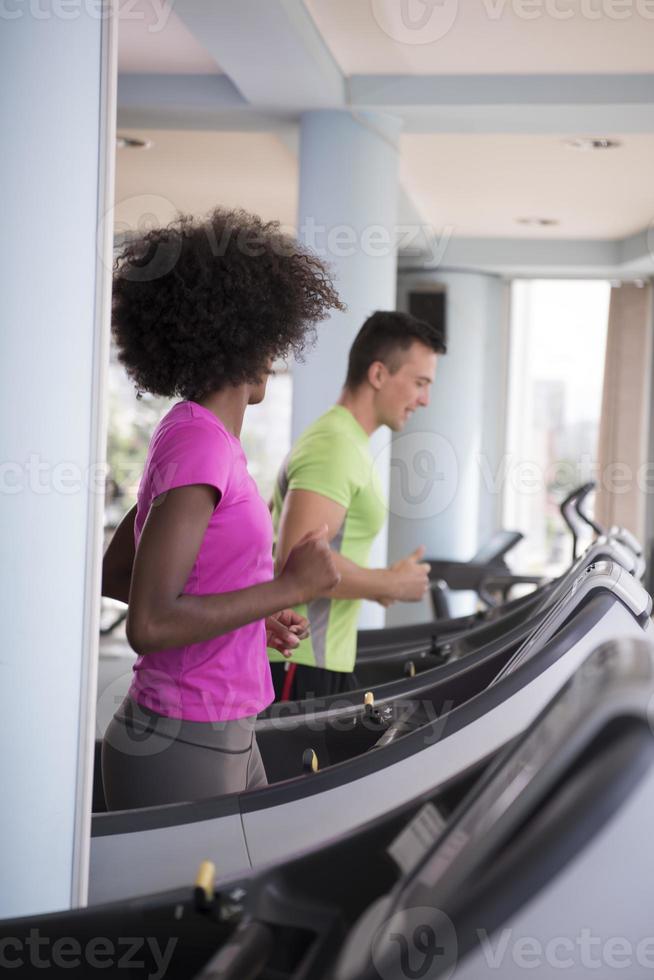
x=590, y=521
x=626, y=538
x=504, y=582
x=605, y=546
x=602, y=574
x=568, y=509
x=602, y=549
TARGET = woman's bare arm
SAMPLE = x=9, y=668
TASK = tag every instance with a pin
x=160, y=616
x=119, y=559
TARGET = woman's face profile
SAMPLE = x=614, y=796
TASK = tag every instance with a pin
x=258, y=390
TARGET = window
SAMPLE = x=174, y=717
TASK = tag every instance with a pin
x=557, y=351
x=266, y=436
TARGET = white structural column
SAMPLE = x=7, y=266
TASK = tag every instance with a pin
x=446, y=466
x=57, y=108
x=348, y=214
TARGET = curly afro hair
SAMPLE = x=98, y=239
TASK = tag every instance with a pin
x=199, y=305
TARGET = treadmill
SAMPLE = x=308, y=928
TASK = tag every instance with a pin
x=342, y=726
x=553, y=844
x=138, y=851
x=487, y=572
x=402, y=652
x=527, y=851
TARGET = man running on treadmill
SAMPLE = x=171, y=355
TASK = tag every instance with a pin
x=329, y=477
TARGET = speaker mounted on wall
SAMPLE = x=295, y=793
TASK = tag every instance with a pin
x=430, y=305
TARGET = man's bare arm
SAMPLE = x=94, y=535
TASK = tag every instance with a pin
x=406, y=579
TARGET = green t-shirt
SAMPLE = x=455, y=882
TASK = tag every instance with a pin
x=332, y=457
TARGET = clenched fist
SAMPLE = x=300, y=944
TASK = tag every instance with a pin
x=410, y=577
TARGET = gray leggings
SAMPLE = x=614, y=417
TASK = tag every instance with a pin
x=150, y=760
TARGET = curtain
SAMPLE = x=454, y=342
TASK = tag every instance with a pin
x=624, y=425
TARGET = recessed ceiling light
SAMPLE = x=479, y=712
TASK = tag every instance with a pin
x=590, y=143
x=130, y=143
x=539, y=222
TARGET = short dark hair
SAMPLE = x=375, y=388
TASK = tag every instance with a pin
x=381, y=336
x=201, y=304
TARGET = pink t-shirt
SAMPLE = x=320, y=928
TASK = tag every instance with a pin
x=227, y=677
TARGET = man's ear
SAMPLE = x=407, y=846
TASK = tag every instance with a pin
x=377, y=373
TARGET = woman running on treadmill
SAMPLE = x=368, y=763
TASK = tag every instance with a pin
x=201, y=311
